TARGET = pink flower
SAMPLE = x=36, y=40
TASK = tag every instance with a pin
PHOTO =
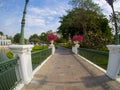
x=51, y=36
x=77, y=38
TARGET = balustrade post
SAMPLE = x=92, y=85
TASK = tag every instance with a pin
x=75, y=48
x=52, y=46
x=25, y=64
x=113, y=69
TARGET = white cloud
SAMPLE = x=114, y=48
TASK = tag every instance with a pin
x=43, y=12
x=35, y=10
x=34, y=21
x=106, y=7
x=117, y=5
x=38, y=18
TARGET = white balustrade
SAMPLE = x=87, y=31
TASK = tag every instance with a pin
x=75, y=48
x=25, y=63
x=113, y=69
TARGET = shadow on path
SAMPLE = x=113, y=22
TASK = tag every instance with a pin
x=67, y=71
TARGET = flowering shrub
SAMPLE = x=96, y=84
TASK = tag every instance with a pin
x=77, y=38
x=51, y=36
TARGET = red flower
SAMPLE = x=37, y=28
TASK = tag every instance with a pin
x=77, y=38
x=51, y=36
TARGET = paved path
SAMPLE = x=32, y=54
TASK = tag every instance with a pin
x=66, y=71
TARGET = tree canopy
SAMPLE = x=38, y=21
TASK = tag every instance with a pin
x=16, y=38
x=1, y=33
x=86, y=4
x=93, y=26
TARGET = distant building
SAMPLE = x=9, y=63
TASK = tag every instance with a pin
x=4, y=41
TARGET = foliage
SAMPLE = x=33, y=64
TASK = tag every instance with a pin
x=86, y=4
x=51, y=36
x=16, y=38
x=42, y=37
x=77, y=38
x=1, y=33
x=38, y=47
x=10, y=54
x=91, y=25
x=61, y=40
x=66, y=45
x=34, y=38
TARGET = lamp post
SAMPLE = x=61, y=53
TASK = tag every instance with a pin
x=23, y=23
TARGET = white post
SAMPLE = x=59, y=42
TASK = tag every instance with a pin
x=75, y=48
x=25, y=64
x=52, y=46
x=113, y=68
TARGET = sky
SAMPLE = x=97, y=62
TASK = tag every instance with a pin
x=42, y=15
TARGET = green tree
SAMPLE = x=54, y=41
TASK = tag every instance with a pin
x=16, y=38
x=86, y=4
x=1, y=33
x=42, y=37
x=50, y=31
x=110, y=2
x=90, y=24
x=34, y=38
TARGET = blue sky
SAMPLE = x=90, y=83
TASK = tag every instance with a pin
x=42, y=15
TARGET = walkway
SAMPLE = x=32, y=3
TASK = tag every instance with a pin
x=66, y=71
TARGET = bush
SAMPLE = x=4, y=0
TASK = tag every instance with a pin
x=38, y=47
x=66, y=45
x=10, y=54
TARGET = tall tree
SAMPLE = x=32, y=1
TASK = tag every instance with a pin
x=86, y=4
x=110, y=2
x=93, y=26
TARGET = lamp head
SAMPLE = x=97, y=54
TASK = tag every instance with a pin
x=27, y=1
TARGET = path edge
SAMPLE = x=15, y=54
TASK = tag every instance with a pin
x=98, y=67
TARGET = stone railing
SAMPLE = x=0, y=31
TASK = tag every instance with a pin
x=25, y=62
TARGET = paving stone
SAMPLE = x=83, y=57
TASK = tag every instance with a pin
x=66, y=71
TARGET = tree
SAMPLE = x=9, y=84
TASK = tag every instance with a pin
x=85, y=4
x=34, y=38
x=1, y=33
x=90, y=24
x=42, y=37
x=50, y=31
x=16, y=38
x=110, y=2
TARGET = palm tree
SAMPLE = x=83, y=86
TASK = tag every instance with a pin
x=110, y=2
